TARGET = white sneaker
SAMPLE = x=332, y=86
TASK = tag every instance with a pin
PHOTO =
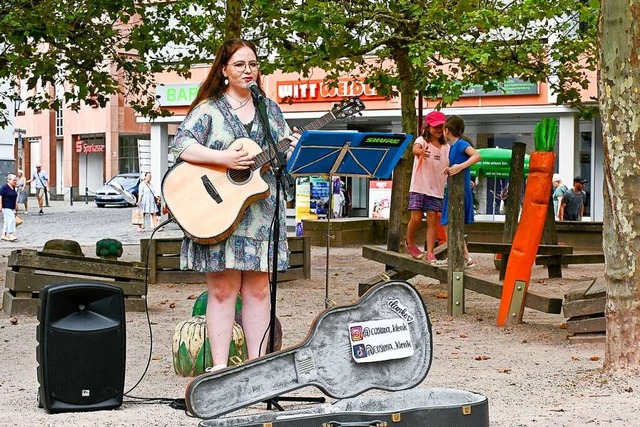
x=216, y=368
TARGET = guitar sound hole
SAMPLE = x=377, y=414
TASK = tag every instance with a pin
x=239, y=176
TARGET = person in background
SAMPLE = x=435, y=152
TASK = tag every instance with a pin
x=426, y=191
x=147, y=202
x=337, y=197
x=461, y=156
x=573, y=201
x=476, y=202
x=39, y=178
x=9, y=204
x=23, y=197
x=558, y=192
x=222, y=112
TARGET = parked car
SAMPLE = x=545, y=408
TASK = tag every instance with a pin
x=108, y=195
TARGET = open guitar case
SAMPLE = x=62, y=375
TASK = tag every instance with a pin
x=382, y=342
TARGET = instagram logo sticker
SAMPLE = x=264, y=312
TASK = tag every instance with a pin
x=356, y=333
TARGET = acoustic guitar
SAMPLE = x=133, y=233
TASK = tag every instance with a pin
x=208, y=201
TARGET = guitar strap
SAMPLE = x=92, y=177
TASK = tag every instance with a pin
x=39, y=179
x=152, y=193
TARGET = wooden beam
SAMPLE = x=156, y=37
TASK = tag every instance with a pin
x=77, y=265
x=393, y=274
x=503, y=248
x=404, y=262
x=486, y=287
x=584, y=307
x=591, y=258
x=584, y=326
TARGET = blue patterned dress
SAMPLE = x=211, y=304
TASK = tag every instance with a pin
x=214, y=124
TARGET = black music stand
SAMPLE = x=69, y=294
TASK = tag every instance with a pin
x=351, y=154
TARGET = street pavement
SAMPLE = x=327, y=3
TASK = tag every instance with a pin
x=83, y=222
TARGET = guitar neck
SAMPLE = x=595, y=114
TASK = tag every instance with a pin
x=282, y=146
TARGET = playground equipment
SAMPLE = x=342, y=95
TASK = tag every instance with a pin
x=550, y=253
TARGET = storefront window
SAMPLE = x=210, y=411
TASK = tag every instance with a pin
x=128, y=153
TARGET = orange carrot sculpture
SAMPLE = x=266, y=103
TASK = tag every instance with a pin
x=534, y=213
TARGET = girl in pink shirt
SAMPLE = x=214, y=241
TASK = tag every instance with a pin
x=426, y=191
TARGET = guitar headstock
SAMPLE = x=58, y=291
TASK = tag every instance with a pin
x=347, y=108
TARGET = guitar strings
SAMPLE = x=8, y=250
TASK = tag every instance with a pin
x=236, y=172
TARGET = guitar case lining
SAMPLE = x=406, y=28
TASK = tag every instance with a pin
x=327, y=360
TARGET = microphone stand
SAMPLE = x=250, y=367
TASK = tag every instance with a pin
x=278, y=164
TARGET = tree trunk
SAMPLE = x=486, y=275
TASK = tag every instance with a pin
x=619, y=98
x=233, y=20
x=399, y=213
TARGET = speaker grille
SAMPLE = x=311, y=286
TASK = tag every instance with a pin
x=81, y=351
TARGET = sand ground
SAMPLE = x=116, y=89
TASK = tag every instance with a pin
x=531, y=373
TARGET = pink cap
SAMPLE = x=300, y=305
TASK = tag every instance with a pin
x=435, y=118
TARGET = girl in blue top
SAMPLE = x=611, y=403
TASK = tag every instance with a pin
x=461, y=156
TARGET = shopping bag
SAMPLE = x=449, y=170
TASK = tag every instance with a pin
x=137, y=216
x=19, y=220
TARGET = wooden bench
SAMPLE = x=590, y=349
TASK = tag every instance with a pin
x=348, y=231
x=28, y=271
x=505, y=248
x=164, y=261
x=581, y=258
x=584, y=307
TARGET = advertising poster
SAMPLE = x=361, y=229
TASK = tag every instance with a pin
x=379, y=199
x=319, y=202
x=303, y=199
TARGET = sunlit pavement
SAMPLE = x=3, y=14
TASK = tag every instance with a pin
x=83, y=223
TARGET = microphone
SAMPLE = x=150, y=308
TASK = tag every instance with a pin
x=255, y=90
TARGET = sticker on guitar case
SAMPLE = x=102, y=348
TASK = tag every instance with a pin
x=396, y=306
x=379, y=340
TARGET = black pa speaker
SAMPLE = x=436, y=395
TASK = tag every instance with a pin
x=81, y=347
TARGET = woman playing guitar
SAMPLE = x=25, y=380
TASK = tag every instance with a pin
x=222, y=112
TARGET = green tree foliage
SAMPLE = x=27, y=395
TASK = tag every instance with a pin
x=50, y=42
x=97, y=48
x=103, y=47
x=441, y=47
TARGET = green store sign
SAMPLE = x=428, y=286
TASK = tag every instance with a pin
x=508, y=88
x=171, y=95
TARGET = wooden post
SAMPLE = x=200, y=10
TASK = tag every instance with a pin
x=550, y=237
x=455, y=245
x=516, y=179
x=148, y=249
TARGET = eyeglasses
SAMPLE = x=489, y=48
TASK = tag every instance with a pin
x=241, y=66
